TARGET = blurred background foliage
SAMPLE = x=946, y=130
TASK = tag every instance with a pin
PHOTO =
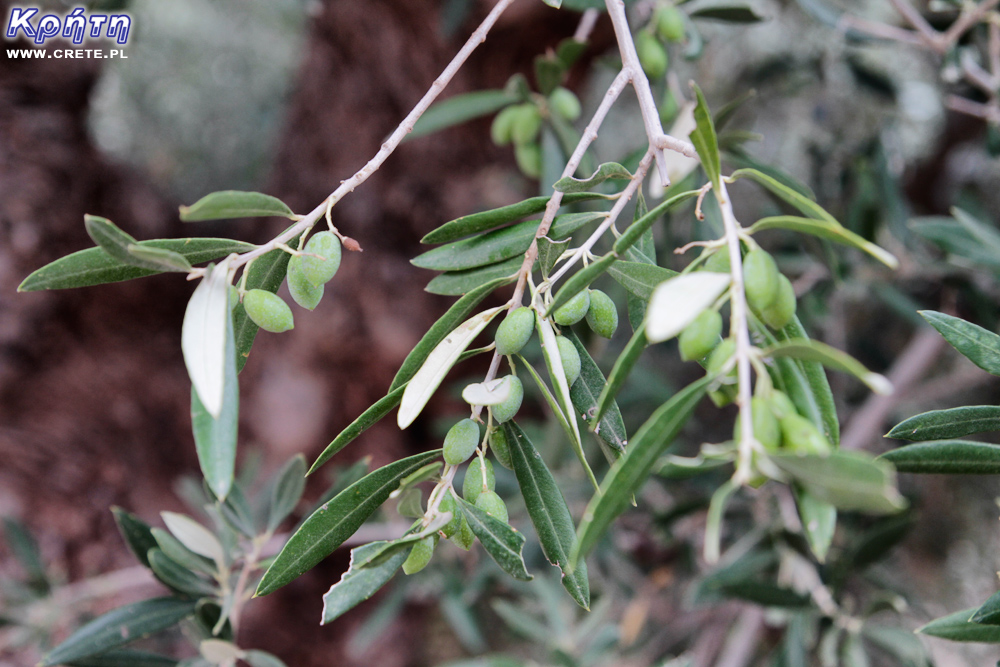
x=213, y=96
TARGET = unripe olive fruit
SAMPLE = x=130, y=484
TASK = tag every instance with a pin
x=322, y=259
x=503, y=126
x=721, y=355
x=781, y=405
x=602, y=316
x=515, y=330
x=760, y=278
x=464, y=538
x=573, y=310
x=802, y=437
x=493, y=505
x=669, y=108
x=782, y=309
x=504, y=411
x=527, y=124
x=420, y=555
x=565, y=103
x=570, y=359
x=461, y=441
x=529, y=159
x=449, y=504
x=719, y=261
x=652, y=55
x=268, y=311
x=669, y=23
x=766, y=429
x=303, y=292
x=701, y=336
x=472, y=485
x=234, y=297
x=501, y=448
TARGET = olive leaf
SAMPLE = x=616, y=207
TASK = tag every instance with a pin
x=235, y=204
x=360, y=582
x=676, y=303
x=607, y=425
x=848, y=480
x=607, y=171
x=502, y=543
x=460, y=109
x=951, y=423
x=975, y=343
x=368, y=418
x=825, y=229
x=619, y=372
x=456, y=283
x=204, y=334
x=948, y=457
x=811, y=350
x=958, y=628
x=705, y=140
x=638, y=278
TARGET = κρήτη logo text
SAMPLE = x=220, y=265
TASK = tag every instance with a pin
x=77, y=25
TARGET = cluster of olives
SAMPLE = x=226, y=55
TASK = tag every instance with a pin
x=777, y=425
x=521, y=124
x=667, y=25
x=307, y=274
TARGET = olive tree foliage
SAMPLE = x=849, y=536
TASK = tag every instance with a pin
x=730, y=307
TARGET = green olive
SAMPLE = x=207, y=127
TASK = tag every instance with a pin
x=652, y=56
x=669, y=23
x=501, y=448
x=719, y=261
x=420, y=555
x=503, y=126
x=449, y=504
x=527, y=123
x=529, y=159
x=573, y=310
x=472, y=485
x=506, y=410
x=802, y=437
x=268, y=311
x=602, y=316
x=782, y=309
x=570, y=359
x=722, y=353
x=461, y=441
x=781, y=405
x=565, y=104
x=760, y=278
x=322, y=258
x=766, y=429
x=303, y=292
x=701, y=336
x=515, y=331
x=492, y=504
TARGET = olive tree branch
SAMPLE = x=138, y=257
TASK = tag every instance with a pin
x=389, y=146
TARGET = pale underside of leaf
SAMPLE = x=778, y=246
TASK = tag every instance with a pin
x=677, y=302
x=203, y=337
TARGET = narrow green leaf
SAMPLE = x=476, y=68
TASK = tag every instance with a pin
x=785, y=193
x=360, y=583
x=159, y=259
x=581, y=280
x=607, y=171
x=440, y=360
x=267, y=272
x=256, y=658
x=956, y=240
x=947, y=457
x=627, y=474
x=207, y=337
x=289, y=484
x=728, y=12
x=584, y=393
x=901, y=643
x=549, y=252
x=125, y=658
x=635, y=231
x=553, y=362
x=116, y=243
x=825, y=229
x=978, y=345
x=215, y=437
x=119, y=627
x=456, y=283
x=945, y=424
x=744, y=161
x=958, y=628
x=460, y=109
x=368, y=418
x=553, y=404
x=23, y=547
x=336, y=520
x=487, y=220
x=447, y=323
x=194, y=536
x=620, y=371
x=500, y=244
x=642, y=252
x=765, y=594
x=638, y=278
x=819, y=521
x=986, y=235
x=501, y=542
x=180, y=554
x=93, y=266
x=177, y=577
x=704, y=139
x=235, y=204
x=548, y=511
x=989, y=612
x=137, y=534
x=812, y=350
x=851, y=481
x=725, y=113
